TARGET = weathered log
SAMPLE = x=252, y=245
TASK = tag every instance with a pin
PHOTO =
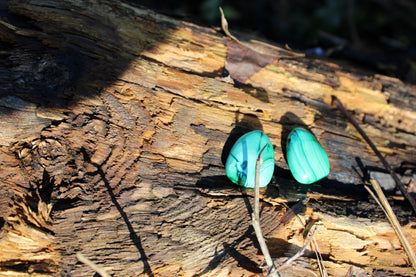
x=115, y=121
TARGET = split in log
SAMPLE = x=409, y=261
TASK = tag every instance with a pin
x=114, y=122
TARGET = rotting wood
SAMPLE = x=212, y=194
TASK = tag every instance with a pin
x=345, y=241
x=126, y=116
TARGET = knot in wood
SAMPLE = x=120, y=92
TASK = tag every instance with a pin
x=51, y=153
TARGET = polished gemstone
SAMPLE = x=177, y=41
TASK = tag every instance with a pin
x=306, y=158
x=240, y=166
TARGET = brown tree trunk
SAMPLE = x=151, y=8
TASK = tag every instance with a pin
x=114, y=122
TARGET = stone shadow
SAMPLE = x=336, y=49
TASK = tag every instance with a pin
x=289, y=122
x=247, y=123
x=283, y=184
x=287, y=184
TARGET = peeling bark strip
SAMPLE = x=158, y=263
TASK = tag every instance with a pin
x=113, y=125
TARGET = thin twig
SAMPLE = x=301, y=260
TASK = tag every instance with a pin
x=256, y=218
x=298, y=254
x=322, y=269
x=379, y=155
x=394, y=222
x=91, y=264
x=375, y=198
x=292, y=212
x=259, y=161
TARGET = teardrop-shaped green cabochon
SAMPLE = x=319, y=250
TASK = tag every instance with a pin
x=241, y=162
x=306, y=158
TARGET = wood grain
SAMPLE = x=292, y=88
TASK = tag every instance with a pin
x=113, y=125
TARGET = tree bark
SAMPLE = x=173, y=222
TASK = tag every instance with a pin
x=115, y=123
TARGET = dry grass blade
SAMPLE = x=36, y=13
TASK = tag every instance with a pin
x=322, y=269
x=382, y=200
x=91, y=264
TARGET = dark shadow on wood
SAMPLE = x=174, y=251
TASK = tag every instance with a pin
x=289, y=187
x=282, y=185
x=242, y=260
x=133, y=236
x=230, y=249
x=256, y=92
x=46, y=187
x=289, y=122
x=247, y=123
x=402, y=209
x=218, y=184
x=365, y=171
x=279, y=248
x=60, y=62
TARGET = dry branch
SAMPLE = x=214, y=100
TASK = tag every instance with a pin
x=255, y=218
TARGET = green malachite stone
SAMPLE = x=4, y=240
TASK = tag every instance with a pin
x=240, y=166
x=306, y=158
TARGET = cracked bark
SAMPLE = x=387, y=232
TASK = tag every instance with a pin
x=113, y=124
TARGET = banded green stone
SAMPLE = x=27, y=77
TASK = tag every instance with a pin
x=240, y=166
x=306, y=158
